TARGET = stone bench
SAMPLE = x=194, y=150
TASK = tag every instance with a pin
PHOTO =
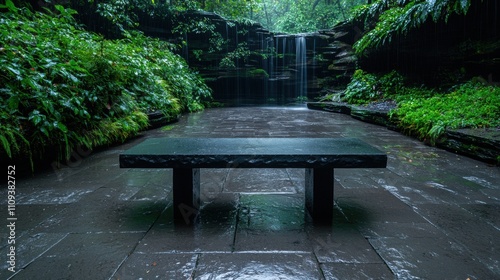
x=319, y=156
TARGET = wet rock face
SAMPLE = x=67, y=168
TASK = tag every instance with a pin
x=244, y=63
x=482, y=144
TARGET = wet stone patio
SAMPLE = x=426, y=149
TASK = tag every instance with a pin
x=430, y=214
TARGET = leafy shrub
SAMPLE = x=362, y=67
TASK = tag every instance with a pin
x=391, y=84
x=362, y=88
x=241, y=52
x=428, y=114
x=62, y=87
x=365, y=87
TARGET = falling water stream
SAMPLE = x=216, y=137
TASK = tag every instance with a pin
x=301, y=64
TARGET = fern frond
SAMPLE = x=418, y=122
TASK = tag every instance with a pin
x=401, y=16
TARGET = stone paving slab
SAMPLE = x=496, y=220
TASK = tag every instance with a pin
x=468, y=229
x=284, y=265
x=342, y=244
x=157, y=266
x=82, y=256
x=430, y=214
x=356, y=271
x=430, y=258
x=31, y=246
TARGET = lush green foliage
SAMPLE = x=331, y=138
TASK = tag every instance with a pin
x=471, y=105
x=241, y=52
x=63, y=87
x=427, y=113
x=362, y=88
x=384, y=19
x=365, y=87
x=292, y=16
x=233, y=9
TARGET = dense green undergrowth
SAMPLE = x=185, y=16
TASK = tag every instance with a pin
x=62, y=87
x=426, y=112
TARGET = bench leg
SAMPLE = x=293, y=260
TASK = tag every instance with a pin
x=186, y=188
x=319, y=193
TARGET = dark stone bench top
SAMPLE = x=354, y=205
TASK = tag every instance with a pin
x=253, y=153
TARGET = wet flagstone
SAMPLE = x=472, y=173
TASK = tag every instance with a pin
x=356, y=271
x=254, y=266
x=468, y=229
x=430, y=258
x=367, y=206
x=273, y=212
x=79, y=256
x=157, y=266
x=429, y=215
x=342, y=244
x=31, y=247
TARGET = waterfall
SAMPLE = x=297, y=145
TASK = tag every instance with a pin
x=301, y=64
x=264, y=64
x=271, y=70
x=237, y=86
x=284, y=52
x=283, y=66
x=271, y=51
x=276, y=55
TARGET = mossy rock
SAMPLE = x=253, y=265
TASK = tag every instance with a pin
x=258, y=73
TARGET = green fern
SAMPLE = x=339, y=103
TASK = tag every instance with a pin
x=13, y=142
x=385, y=19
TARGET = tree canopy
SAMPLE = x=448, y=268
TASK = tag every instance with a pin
x=290, y=16
x=280, y=15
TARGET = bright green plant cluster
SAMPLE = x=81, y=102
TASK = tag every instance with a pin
x=362, y=88
x=366, y=87
x=260, y=73
x=428, y=115
x=241, y=52
x=63, y=87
